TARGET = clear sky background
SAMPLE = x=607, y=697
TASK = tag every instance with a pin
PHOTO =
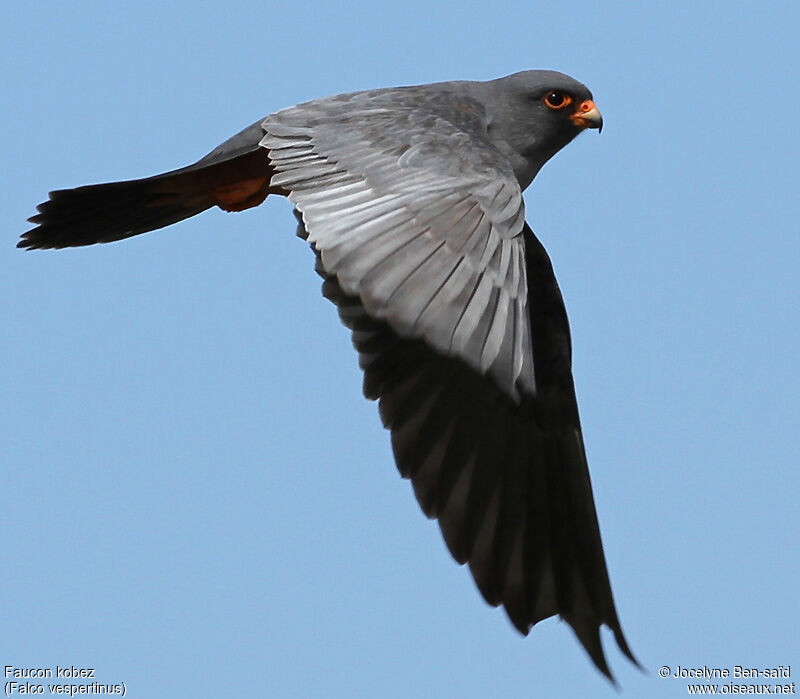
x=194, y=497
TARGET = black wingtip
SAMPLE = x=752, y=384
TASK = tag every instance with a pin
x=619, y=637
x=589, y=637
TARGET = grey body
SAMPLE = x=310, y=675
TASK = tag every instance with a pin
x=412, y=201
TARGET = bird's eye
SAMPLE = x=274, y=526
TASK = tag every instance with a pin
x=557, y=100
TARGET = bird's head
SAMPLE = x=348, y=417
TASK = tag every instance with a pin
x=534, y=114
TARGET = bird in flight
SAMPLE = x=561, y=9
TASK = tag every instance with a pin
x=411, y=199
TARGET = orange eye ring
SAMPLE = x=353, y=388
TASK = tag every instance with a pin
x=556, y=99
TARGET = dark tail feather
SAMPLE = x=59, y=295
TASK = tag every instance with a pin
x=105, y=212
x=234, y=176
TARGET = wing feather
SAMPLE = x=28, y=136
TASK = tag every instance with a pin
x=395, y=209
x=463, y=340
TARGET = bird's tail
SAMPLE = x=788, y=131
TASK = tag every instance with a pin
x=234, y=176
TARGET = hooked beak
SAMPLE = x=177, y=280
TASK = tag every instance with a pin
x=587, y=116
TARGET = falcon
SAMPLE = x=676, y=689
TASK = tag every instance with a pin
x=411, y=200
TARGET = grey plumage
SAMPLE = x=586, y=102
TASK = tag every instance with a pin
x=411, y=199
x=431, y=245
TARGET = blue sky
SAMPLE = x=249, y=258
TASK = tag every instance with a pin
x=197, y=501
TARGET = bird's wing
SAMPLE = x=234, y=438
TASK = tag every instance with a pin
x=417, y=223
x=416, y=213
x=508, y=482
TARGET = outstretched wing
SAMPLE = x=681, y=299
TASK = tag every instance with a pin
x=417, y=223
x=416, y=213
